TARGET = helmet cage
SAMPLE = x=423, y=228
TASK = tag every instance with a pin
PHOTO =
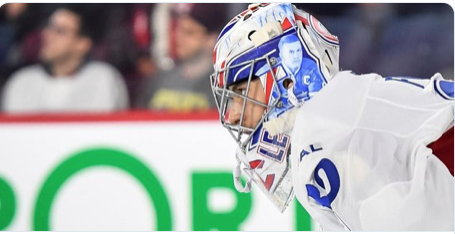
x=224, y=97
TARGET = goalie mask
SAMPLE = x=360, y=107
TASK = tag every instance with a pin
x=269, y=60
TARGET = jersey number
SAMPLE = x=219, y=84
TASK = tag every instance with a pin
x=333, y=179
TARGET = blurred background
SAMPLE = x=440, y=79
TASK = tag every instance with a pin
x=107, y=121
x=158, y=56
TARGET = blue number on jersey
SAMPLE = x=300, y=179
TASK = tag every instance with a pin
x=334, y=181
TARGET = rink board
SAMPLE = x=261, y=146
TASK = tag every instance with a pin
x=127, y=174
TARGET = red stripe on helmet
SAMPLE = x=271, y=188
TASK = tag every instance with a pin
x=269, y=85
x=214, y=56
x=286, y=24
x=269, y=181
x=235, y=19
x=301, y=18
x=221, y=77
x=257, y=164
x=244, y=12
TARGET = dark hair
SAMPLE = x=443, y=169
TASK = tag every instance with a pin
x=90, y=18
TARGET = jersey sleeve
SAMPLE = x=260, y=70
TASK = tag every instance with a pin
x=415, y=109
x=405, y=115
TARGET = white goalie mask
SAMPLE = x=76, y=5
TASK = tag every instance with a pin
x=291, y=56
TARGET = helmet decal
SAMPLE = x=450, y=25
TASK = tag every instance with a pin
x=268, y=85
x=322, y=31
x=286, y=24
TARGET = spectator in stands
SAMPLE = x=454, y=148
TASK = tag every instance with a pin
x=20, y=25
x=185, y=87
x=66, y=80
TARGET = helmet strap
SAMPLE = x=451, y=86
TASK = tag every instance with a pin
x=237, y=173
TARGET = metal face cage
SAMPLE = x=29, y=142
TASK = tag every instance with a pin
x=224, y=96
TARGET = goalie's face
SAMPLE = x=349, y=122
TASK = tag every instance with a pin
x=252, y=111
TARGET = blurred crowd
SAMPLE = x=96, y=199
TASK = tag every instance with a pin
x=110, y=57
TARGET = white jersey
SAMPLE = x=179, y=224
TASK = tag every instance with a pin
x=360, y=159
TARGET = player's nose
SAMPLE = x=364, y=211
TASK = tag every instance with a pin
x=234, y=115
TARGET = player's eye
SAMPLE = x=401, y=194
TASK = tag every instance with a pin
x=238, y=91
x=243, y=92
x=240, y=94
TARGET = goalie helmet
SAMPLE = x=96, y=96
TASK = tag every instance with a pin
x=292, y=56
